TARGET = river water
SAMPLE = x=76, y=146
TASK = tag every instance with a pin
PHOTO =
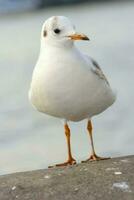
x=30, y=140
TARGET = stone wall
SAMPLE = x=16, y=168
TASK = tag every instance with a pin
x=102, y=180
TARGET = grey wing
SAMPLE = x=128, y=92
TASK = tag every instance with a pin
x=97, y=70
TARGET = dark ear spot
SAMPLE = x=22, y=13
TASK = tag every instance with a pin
x=45, y=33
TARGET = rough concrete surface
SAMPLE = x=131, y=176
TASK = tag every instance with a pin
x=107, y=180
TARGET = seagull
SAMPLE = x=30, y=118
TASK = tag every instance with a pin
x=67, y=83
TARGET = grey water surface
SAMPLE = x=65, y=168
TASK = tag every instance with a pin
x=31, y=140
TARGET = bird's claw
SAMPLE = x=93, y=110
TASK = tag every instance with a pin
x=94, y=157
x=71, y=161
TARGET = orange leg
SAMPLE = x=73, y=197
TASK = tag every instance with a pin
x=93, y=156
x=70, y=160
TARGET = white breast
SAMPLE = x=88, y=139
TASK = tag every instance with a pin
x=64, y=86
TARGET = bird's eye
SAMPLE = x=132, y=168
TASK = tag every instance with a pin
x=57, y=31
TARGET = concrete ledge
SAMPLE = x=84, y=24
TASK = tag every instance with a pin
x=104, y=180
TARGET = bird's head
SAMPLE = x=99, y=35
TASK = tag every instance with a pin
x=58, y=30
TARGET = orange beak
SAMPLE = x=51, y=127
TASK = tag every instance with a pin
x=78, y=36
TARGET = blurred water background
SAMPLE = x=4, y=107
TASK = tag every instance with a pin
x=30, y=140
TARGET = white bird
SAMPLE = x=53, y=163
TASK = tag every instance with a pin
x=67, y=83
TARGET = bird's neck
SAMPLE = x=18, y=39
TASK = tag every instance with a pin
x=55, y=48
